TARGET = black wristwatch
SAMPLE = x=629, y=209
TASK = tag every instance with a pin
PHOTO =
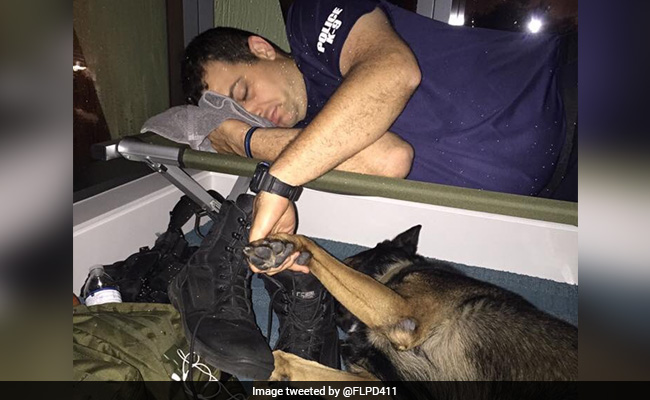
x=263, y=181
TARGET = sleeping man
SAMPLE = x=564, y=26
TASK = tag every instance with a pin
x=371, y=88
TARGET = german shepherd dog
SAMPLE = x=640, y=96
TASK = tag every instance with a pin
x=410, y=318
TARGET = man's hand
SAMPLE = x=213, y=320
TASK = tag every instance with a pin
x=274, y=214
x=228, y=138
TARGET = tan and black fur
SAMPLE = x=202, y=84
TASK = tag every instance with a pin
x=416, y=319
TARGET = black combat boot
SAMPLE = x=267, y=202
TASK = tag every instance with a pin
x=306, y=314
x=213, y=295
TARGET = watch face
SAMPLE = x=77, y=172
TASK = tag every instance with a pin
x=258, y=176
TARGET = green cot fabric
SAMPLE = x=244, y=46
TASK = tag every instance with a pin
x=133, y=343
x=536, y=208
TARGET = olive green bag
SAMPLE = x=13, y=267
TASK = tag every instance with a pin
x=141, y=343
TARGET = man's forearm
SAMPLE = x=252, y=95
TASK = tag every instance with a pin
x=388, y=156
x=268, y=143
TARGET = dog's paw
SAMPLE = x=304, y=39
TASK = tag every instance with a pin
x=271, y=253
x=266, y=254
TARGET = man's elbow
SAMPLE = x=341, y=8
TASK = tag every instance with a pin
x=398, y=162
x=409, y=74
x=402, y=71
x=413, y=76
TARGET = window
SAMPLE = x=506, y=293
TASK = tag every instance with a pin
x=555, y=16
x=120, y=78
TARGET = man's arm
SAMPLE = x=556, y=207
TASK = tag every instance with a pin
x=380, y=75
x=387, y=156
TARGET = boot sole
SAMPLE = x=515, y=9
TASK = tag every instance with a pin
x=239, y=367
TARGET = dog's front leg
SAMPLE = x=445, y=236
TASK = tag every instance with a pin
x=374, y=304
x=297, y=370
x=293, y=368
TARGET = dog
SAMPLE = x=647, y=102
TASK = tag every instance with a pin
x=410, y=318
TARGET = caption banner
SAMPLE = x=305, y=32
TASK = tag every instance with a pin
x=326, y=390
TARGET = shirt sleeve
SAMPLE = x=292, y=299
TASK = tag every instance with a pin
x=317, y=29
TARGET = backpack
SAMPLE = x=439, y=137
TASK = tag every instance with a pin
x=138, y=351
x=143, y=277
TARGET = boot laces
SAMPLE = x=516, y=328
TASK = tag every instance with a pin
x=302, y=320
x=232, y=281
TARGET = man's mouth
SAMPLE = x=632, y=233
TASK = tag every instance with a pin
x=273, y=117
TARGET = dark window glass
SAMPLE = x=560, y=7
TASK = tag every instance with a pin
x=556, y=16
x=120, y=78
x=410, y=5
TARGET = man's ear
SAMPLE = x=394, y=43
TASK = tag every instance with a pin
x=261, y=48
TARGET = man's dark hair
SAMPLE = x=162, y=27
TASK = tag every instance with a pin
x=229, y=45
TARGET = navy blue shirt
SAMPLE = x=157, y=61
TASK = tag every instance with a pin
x=488, y=112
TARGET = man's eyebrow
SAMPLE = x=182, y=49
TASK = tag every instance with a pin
x=231, y=94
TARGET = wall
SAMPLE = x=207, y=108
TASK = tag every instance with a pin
x=258, y=16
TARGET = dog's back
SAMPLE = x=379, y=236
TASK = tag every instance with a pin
x=476, y=331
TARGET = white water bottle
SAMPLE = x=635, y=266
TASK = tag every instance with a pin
x=100, y=288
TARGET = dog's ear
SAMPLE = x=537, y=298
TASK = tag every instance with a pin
x=408, y=240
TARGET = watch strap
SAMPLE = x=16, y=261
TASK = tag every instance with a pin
x=273, y=185
x=264, y=181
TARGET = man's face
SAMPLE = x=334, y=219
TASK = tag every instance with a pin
x=272, y=89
